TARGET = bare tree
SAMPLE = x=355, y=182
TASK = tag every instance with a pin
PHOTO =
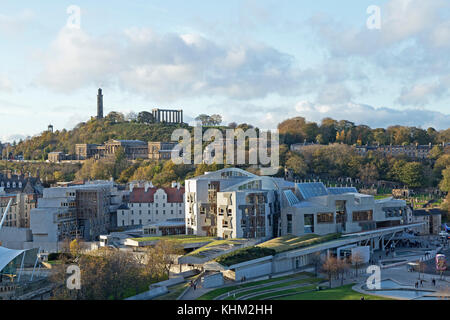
x=330, y=267
x=357, y=261
x=316, y=261
x=342, y=267
x=421, y=267
x=161, y=257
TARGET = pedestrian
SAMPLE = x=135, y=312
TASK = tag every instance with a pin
x=421, y=283
x=434, y=282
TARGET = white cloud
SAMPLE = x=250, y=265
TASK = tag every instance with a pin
x=412, y=46
x=13, y=24
x=5, y=83
x=169, y=67
x=373, y=117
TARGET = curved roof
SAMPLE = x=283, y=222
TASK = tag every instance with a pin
x=8, y=255
x=227, y=172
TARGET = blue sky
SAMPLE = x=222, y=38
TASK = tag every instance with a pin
x=250, y=61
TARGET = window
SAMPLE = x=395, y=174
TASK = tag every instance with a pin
x=362, y=215
x=289, y=223
x=308, y=223
x=325, y=218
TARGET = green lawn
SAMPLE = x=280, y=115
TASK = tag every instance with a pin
x=382, y=196
x=290, y=242
x=217, y=292
x=243, y=255
x=279, y=286
x=200, y=252
x=340, y=293
x=303, y=290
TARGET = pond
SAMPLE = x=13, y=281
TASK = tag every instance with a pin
x=405, y=294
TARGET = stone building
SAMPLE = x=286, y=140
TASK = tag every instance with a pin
x=15, y=183
x=167, y=116
x=85, y=151
x=150, y=205
x=160, y=150
x=415, y=151
x=56, y=157
x=431, y=217
x=134, y=149
x=19, y=212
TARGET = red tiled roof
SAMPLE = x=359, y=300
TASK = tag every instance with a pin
x=138, y=195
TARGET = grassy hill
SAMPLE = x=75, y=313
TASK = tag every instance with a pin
x=92, y=131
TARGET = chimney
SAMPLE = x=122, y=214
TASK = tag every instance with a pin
x=131, y=187
x=146, y=186
x=174, y=184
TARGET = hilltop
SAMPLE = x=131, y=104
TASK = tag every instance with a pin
x=92, y=131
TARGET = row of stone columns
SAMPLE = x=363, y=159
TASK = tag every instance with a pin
x=169, y=116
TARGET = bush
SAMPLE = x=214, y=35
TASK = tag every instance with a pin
x=58, y=256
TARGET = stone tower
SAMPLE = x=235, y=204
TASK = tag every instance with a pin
x=100, y=104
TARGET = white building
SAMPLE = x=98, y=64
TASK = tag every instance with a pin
x=233, y=203
x=83, y=211
x=149, y=205
x=313, y=208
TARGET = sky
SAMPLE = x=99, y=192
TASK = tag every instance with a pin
x=253, y=61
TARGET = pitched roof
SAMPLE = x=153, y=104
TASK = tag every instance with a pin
x=138, y=195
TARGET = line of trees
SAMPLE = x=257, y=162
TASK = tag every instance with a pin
x=111, y=274
x=298, y=130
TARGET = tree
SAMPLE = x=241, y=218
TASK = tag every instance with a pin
x=75, y=247
x=421, y=267
x=204, y=119
x=412, y=174
x=436, y=152
x=216, y=119
x=232, y=125
x=445, y=182
x=106, y=274
x=161, y=257
x=316, y=261
x=297, y=165
x=357, y=261
x=131, y=116
x=330, y=266
x=145, y=117
x=368, y=173
x=342, y=266
x=115, y=117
